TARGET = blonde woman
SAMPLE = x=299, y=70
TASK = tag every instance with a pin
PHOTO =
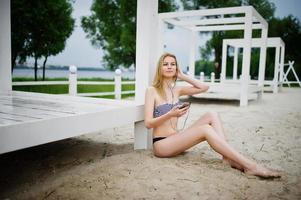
x=162, y=110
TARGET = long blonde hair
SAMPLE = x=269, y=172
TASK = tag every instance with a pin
x=158, y=79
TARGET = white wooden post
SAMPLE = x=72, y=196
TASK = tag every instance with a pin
x=224, y=62
x=117, y=87
x=5, y=47
x=235, y=63
x=192, y=46
x=202, y=77
x=146, y=58
x=276, y=70
x=212, y=78
x=72, y=80
x=246, y=58
x=262, y=59
x=282, y=65
x=159, y=49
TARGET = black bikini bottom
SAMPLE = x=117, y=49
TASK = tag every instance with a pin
x=156, y=139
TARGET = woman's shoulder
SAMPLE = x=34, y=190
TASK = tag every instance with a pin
x=151, y=89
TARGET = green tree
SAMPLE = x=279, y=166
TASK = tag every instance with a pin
x=47, y=27
x=112, y=27
x=20, y=18
x=289, y=29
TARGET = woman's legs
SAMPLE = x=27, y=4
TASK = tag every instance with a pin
x=213, y=119
x=177, y=143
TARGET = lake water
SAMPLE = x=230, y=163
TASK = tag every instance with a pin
x=55, y=73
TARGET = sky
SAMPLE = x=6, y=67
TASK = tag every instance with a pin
x=81, y=53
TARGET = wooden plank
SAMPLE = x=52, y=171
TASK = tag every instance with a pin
x=73, y=99
x=30, y=111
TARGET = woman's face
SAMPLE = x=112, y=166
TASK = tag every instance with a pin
x=169, y=67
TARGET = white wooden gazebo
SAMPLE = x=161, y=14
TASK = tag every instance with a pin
x=244, y=18
x=274, y=42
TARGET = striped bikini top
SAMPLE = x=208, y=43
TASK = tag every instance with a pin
x=164, y=108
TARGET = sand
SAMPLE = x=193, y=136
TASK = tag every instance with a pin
x=104, y=165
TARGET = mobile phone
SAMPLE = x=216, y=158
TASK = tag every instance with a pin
x=185, y=104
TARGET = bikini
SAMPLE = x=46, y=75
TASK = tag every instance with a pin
x=161, y=110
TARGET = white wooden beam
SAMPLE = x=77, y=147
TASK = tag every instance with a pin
x=160, y=41
x=223, y=27
x=282, y=65
x=246, y=58
x=224, y=62
x=235, y=63
x=259, y=17
x=206, y=12
x=192, y=47
x=262, y=57
x=215, y=21
x=146, y=41
x=276, y=70
x=5, y=47
x=256, y=42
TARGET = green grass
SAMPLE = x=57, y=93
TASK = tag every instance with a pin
x=19, y=79
x=63, y=89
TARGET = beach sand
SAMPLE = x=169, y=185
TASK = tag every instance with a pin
x=104, y=165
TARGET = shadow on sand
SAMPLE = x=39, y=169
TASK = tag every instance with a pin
x=28, y=166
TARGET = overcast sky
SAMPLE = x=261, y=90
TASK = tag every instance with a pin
x=80, y=52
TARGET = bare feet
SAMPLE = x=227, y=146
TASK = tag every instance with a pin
x=262, y=172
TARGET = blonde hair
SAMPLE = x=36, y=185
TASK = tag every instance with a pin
x=158, y=79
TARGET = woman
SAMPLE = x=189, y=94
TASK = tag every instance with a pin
x=162, y=109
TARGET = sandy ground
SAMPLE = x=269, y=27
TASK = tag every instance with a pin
x=104, y=165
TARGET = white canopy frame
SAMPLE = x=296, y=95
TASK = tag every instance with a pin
x=221, y=19
x=274, y=42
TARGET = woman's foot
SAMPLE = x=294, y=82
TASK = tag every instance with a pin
x=262, y=172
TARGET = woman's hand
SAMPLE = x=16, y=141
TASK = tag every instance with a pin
x=177, y=112
x=180, y=74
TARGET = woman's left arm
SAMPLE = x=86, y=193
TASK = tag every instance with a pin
x=197, y=86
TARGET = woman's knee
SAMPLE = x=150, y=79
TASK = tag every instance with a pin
x=212, y=115
x=206, y=129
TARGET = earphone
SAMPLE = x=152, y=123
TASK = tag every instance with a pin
x=172, y=104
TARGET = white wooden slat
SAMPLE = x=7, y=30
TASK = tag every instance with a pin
x=205, y=12
x=74, y=99
x=223, y=27
x=214, y=21
x=53, y=99
x=40, y=105
x=58, y=106
x=29, y=111
x=17, y=117
x=6, y=122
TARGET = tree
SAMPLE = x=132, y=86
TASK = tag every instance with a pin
x=48, y=25
x=112, y=27
x=289, y=29
x=20, y=17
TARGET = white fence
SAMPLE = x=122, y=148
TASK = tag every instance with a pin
x=73, y=84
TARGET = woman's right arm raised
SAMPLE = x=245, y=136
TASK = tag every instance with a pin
x=149, y=120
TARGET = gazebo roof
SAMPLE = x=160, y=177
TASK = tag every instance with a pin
x=256, y=42
x=217, y=19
